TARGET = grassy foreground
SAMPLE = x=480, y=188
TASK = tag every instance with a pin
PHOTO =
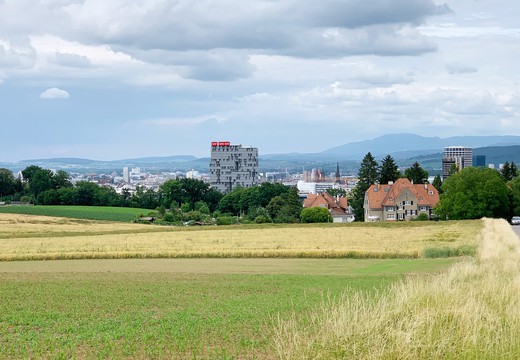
x=104, y=213
x=470, y=312
x=173, y=308
x=25, y=237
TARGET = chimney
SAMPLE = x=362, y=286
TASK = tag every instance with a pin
x=426, y=186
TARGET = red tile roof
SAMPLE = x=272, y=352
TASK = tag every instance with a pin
x=336, y=205
x=385, y=195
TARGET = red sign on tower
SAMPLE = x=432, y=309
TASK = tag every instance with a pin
x=220, y=143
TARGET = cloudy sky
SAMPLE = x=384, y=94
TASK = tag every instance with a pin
x=119, y=79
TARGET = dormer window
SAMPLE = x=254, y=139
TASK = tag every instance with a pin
x=430, y=192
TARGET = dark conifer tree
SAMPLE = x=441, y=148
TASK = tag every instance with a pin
x=368, y=175
x=437, y=183
x=389, y=170
x=416, y=173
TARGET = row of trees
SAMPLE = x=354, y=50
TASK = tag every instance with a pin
x=471, y=193
x=370, y=172
x=475, y=192
x=468, y=194
x=184, y=199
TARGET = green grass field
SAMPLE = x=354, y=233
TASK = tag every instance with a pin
x=102, y=213
x=210, y=304
x=173, y=308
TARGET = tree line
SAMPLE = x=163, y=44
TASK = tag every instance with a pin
x=471, y=193
x=467, y=194
x=178, y=200
x=370, y=172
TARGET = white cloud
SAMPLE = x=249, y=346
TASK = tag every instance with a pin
x=184, y=121
x=178, y=68
x=54, y=93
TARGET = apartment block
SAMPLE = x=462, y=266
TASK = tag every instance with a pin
x=232, y=166
x=460, y=156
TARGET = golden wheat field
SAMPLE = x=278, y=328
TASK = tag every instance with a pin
x=27, y=237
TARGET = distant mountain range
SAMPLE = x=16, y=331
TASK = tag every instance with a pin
x=404, y=148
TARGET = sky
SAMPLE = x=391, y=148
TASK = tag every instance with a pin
x=120, y=79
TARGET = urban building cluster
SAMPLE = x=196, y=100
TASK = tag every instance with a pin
x=232, y=166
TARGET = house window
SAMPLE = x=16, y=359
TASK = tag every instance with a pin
x=409, y=202
x=390, y=208
x=423, y=208
x=390, y=216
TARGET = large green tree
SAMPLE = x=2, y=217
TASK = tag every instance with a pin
x=368, y=175
x=7, y=182
x=250, y=200
x=514, y=185
x=183, y=191
x=473, y=193
x=285, y=208
x=509, y=171
x=389, y=170
x=40, y=181
x=437, y=184
x=61, y=179
x=416, y=173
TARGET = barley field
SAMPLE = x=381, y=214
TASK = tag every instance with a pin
x=471, y=311
x=28, y=237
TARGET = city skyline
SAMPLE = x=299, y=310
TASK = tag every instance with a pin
x=98, y=80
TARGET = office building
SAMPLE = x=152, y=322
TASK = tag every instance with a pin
x=232, y=166
x=459, y=156
x=479, y=160
x=126, y=175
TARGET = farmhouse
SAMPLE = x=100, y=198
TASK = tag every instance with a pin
x=337, y=206
x=401, y=200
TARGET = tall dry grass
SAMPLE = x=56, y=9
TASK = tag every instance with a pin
x=472, y=311
x=25, y=237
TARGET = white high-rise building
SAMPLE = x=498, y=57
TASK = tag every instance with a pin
x=126, y=175
x=460, y=156
x=232, y=166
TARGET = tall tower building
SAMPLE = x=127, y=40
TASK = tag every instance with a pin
x=126, y=175
x=460, y=156
x=232, y=166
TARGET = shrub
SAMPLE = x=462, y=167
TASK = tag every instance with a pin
x=421, y=217
x=26, y=199
x=168, y=217
x=315, y=215
x=445, y=252
x=226, y=220
x=193, y=216
x=262, y=219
